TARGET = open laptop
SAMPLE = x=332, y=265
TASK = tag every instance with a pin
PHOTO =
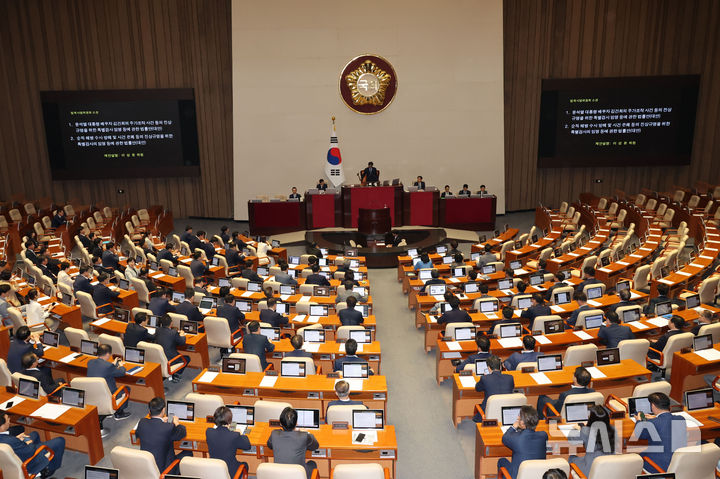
x=516, y=264
x=172, y=271
x=525, y=302
x=89, y=347
x=243, y=306
x=459, y=272
x=441, y=249
x=308, y=418
x=594, y=321
x=489, y=269
x=178, y=297
x=72, y=397
x=692, y=301
x=361, y=336
x=699, y=399
x=282, y=308
x=322, y=290
x=242, y=417
x=554, y=326
x=356, y=370
x=272, y=334
x=537, y=279
x=184, y=411
x=605, y=357
x=50, y=338
x=294, y=260
x=704, y=341
x=562, y=298
x=631, y=315
x=314, y=335
x=189, y=327
x=447, y=259
x=506, y=283
x=92, y=472
x=124, y=284
x=222, y=282
x=364, y=309
x=620, y=285
x=512, y=330
x=466, y=333
x=233, y=365
x=368, y=419
x=549, y=362
x=319, y=310
x=287, y=289
x=206, y=304
x=663, y=308
x=134, y=355
x=509, y=414
x=577, y=412
x=254, y=286
x=594, y=292
x=66, y=299
x=28, y=388
x=263, y=271
x=292, y=369
x=481, y=367
x=638, y=405
x=488, y=306
x=425, y=274
x=121, y=315
x=436, y=289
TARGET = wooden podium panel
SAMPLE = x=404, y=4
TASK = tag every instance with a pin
x=474, y=213
x=323, y=211
x=420, y=208
x=268, y=218
x=371, y=197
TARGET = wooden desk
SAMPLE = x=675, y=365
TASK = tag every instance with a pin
x=79, y=427
x=310, y=392
x=336, y=446
x=688, y=371
x=330, y=323
x=143, y=386
x=4, y=341
x=176, y=283
x=196, y=345
x=620, y=380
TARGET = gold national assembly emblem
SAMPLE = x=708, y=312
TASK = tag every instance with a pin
x=368, y=84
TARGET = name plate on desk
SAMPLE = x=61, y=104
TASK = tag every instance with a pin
x=388, y=453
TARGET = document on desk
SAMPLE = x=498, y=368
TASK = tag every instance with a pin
x=341, y=347
x=540, y=378
x=596, y=373
x=304, y=299
x=268, y=381
x=659, y=322
x=582, y=335
x=507, y=292
x=246, y=294
x=69, y=358
x=453, y=346
x=634, y=296
x=313, y=319
x=15, y=400
x=639, y=325
x=557, y=308
x=566, y=429
x=439, y=298
x=208, y=377
x=689, y=420
x=312, y=347
x=622, y=263
x=431, y=318
x=454, y=280
x=542, y=339
x=284, y=297
x=299, y=318
x=491, y=316
x=517, y=312
x=369, y=439
x=355, y=384
x=51, y=411
x=605, y=270
x=510, y=342
x=666, y=281
x=709, y=354
x=683, y=273
x=593, y=303
x=467, y=381
x=101, y=321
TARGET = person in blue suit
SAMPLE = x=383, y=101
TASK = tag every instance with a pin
x=271, y=316
x=298, y=352
x=157, y=435
x=256, y=343
x=187, y=308
x=664, y=432
x=223, y=443
x=24, y=342
x=342, y=391
x=82, y=281
x=350, y=356
x=103, y=295
x=455, y=315
x=524, y=441
x=581, y=299
x=104, y=367
x=496, y=382
x=612, y=332
x=160, y=304
x=25, y=445
x=581, y=385
x=537, y=308
x=527, y=355
x=483, y=344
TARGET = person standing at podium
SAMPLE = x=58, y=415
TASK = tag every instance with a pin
x=419, y=183
x=322, y=186
x=294, y=195
x=370, y=175
x=446, y=193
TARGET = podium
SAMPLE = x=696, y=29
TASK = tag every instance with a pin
x=355, y=197
x=375, y=223
x=323, y=210
x=468, y=213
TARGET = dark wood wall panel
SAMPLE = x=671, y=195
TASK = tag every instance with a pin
x=116, y=44
x=605, y=38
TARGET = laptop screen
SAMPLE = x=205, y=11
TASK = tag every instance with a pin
x=441, y=249
x=184, y=411
x=294, y=260
x=488, y=306
x=515, y=264
x=153, y=321
x=525, y=302
x=481, y=367
x=512, y=330
x=474, y=257
x=178, y=297
x=122, y=315
x=318, y=310
x=66, y=299
x=503, y=284
x=663, y=308
x=537, y=279
x=412, y=252
x=702, y=342
x=577, y=412
x=622, y=285
x=233, y=365
x=262, y=271
x=244, y=306
x=308, y=418
x=294, y=369
x=607, y=356
x=425, y=274
x=594, y=292
x=28, y=388
x=638, y=405
x=550, y=362
x=88, y=347
x=368, y=419
x=254, y=286
x=73, y=397
x=273, y=334
x=314, y=335
x=562, y=298
x=471, y=288
x=206, y=303
x=134, y=355
x=92, y=472
x=447, y=259
x=364, y=309
x=361, y=336
x=699, y=399
x=355, y=370
x=282, y=308
x=124, y=284
x=594, y=321
x=510, y=414
x=465, y=333
x=287, y=289
x=436, y=289
x=554, y=326
x=631, y=315
x=50, y=339
x=189, y=327
x=244, y=415
x=692, y=301
x=223, y=282
x=172, y=271
x=489, y=269
x=459, y=272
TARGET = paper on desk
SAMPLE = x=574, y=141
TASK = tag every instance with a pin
x=574, y=255
x=566, y=429
x=268, y=381
x=313, y=319
x=51, y=411
x=101, y=321
x=454, y=346
x=510, y=342
x=709, y=354
x=467, y=381
x=582, y=335
x=451, y=355
x=623, y=263
x=304, y=299
x=706, y=257
x=454, y=280
x=689, y=420
x=639, y=325
x=431, y=318
x=150, y=330
x=542, y=339
x=491, y=316
x=520, y=271
x=369, y=439
x=540, y=378
x=299, y=318
x=515, y=251
x=341, y=347
x=605, y=270
x=284, y=297
x=659, y=322
x=311, y=347
x=596, y=373
x=634, y=296
x=517, y=312
x=208, y=377
x=246, y=294
x=504, y=429
x=15, y=400
x=439, y=297
x=536, y=246
x=69, y=358
x=557, y=308
x=635, y=255
x=355, y=384
x=507, y=292
x=593, y=303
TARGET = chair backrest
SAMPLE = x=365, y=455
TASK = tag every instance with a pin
x=358, y=471
x=518, y=297
x=646, y=389
x=87, y=305
x=176, y=318
x=97, y=393
x=695, y=462
x=539, y=323
x=218, y=332
x=635, y=349
x=340, y=413
x=477, y=302
x=10, y=464
x=74, y=336
x=204, y=468
x=306, y=289
x=165, y=265
x=154, y=353
x=576, y=355
x=713, y=329
x=506, y=246
x=594, y=285
x=595, y=397
x=239, y=283
x=708, y=289
x=545, y=254
x=309, y=364
x=661, y=209
x=134, y=463
x=562, y=289
x=16, y=377
x=563, y=207
x=535, y=468
x=118, y=348
x=271, y=470
x=495, y=403
x=186, y=273
x=613, y=208
x=16, y=317
x=451, y=327
x=304, y=308
x=617, y=466
x=252, y=362
x=5, y=378
x=651, y=204
x=266, y=410
x=675, y=343
x=584, y=314
x=141, y=288
x=205, y=404
x=640, y=279
x=301, y=331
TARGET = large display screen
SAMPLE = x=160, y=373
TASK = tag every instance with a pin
x=121, y=133
x=628, y=121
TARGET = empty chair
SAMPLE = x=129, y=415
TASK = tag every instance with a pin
x=205, y=404
x=360, y=471
x=578, y=354
x=133, y=463
x=207, y=468
x=270, y=470
x=708, y=289
x=5, y=377
x=620, y=466
x=539, y=323
x=495, y=403
x=154, y=353
x=339, y=413
x=74, y=336
x=186, y=273
x=98, y=394
x=88, y=308
x=267, y=410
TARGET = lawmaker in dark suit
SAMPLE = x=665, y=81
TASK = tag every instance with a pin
x=298, y=352
x=624, y=296
x=229, y=311
x=350, y=316
x=559, y=283
x=316, y=277
x=290, y=446
x=581, y=299
x=160, y=304
x=43, y=375
x=82, y=280
x=167, y=253
x=524, y=441
x=342, y=391
x=370, y=174
x=527, y=355
x=20, y=346
x=283, y=277
x=188, y=235
x=271, y=316
x=350, y=357
x=588, y=278
x=197, y=267
x=232, y=255
x=294, y=195
x=706, y=317
x=109, y=259
x=205, y=245
x=103, y=295
x=507, y=318
x=188, y=309
x=136, y=331
x=170, y=339
x=446, y=192
x=581, y=385
x=494, y=383
x=322, y=186
x=157, y=435
x=223, y=443
x=465, y=191
x=455, y=315
x=434, y=279
x=59, y=219
x=102, y=367
x=249, y=273
x=256, y=343
x=675, y=326
x=662, y=297
x=419, y=183
x=537, y=308
x=612, y=332
x=665, y=432
x=483, y=344
x=25, y=445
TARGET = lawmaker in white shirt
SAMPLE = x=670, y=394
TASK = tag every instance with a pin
x=262, y=248
x=35, y=315
x=63, y=276
x=132, y=270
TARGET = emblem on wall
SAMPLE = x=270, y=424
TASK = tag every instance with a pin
x=368, y=84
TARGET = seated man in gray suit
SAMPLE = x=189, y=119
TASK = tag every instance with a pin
x=289, y=446
x=283, y=277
